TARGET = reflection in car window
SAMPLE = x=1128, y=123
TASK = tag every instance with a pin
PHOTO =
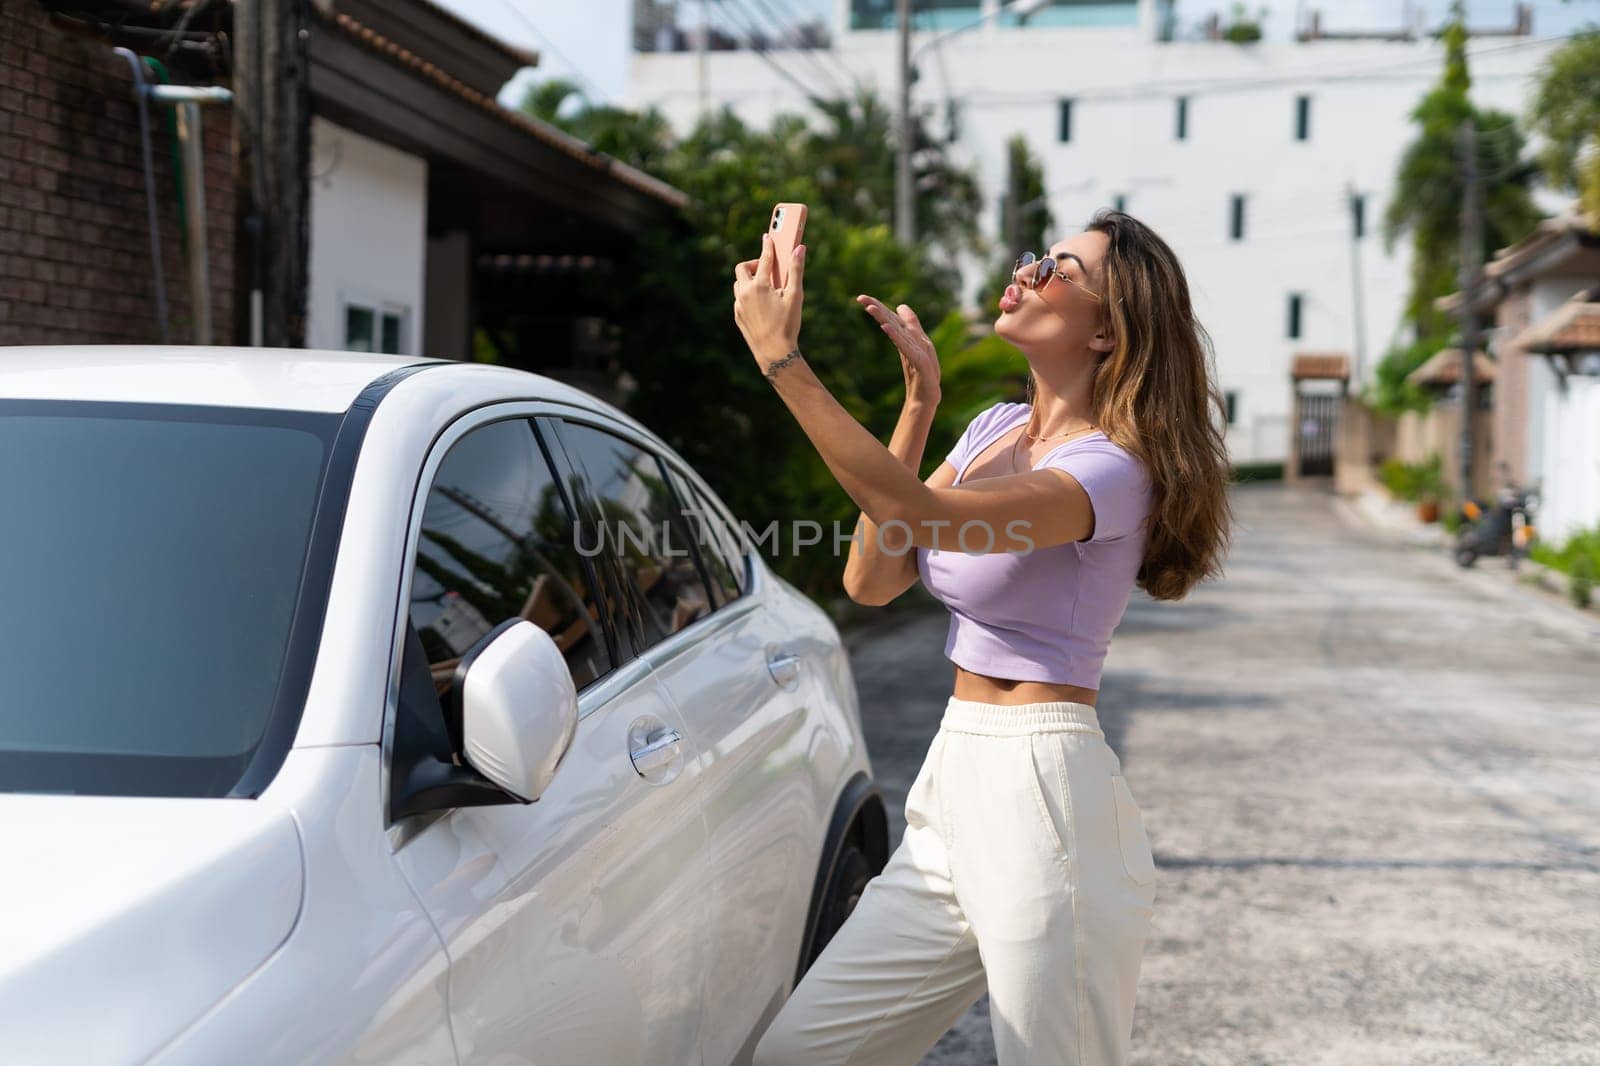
x=717, y=542
x=639, y=532
x=496, y=544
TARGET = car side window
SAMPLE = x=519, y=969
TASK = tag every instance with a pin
x=716, y=541
x=497, y=543
x=637, y=531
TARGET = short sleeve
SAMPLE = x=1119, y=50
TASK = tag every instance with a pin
x=977, y=434
x=1115, y=480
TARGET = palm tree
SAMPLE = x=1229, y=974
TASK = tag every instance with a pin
x=1566, y=113
x=1429, y=189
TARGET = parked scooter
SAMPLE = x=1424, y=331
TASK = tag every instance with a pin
x=1505, y=529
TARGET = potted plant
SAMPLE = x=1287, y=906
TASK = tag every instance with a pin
x=1244, y=28
x=1430, y=487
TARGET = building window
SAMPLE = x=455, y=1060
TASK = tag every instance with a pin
x=380, y=328
x=1302, y=118
x=1064, y=133
x=1294, y=316
x=1236, y=220
x=1358, y=215
x=1231, y=399
x=1119, y=202
x=1183, y=118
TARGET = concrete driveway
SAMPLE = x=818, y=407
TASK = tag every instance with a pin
x=1372, y=783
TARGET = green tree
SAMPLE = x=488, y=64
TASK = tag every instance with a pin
x=852, y=158
x=696, y=383
x=1566, y=114
x=641, y=140
x=1429, y=188
x=1025, y=220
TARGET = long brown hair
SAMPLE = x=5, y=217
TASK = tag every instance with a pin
x=1155, y=394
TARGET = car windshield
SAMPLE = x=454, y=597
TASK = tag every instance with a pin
x=151, y=557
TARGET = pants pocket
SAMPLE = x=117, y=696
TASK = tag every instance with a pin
x=1053, y=815
x=1134, y=844
x=921, y=806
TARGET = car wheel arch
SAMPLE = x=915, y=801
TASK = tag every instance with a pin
x=859, y=820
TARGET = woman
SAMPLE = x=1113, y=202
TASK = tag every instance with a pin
x=1024, y=870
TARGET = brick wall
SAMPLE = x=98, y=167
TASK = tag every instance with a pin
x=75, y=263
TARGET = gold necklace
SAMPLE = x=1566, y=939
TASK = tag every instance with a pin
x=1053, y=436
x=1030, y=436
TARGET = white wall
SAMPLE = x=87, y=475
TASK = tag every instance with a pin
x=1240, y=139
x=1564, y=452
x=369, y=215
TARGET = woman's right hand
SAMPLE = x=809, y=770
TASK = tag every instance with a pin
x=917, y=356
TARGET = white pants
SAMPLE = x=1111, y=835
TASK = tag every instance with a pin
x=1024, y=871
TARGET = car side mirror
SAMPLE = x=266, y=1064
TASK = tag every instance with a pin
x=516, y=708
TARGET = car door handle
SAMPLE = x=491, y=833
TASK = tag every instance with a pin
x=784, y=668
x=658, y=752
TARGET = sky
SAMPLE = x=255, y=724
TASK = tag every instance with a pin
x=589, y=40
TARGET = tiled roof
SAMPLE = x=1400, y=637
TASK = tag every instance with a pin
x=527, y=124
x=1444, y=368
x=1309, y=366
x=1506, y=260
x=1572, y=326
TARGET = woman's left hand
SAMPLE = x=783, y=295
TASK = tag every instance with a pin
x=769, y=317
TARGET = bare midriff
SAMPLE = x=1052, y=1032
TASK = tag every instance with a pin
x=982, y=687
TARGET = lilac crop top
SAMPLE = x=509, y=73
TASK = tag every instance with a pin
x=1046, y=615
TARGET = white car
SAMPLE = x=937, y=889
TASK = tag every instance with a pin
x=379, y=710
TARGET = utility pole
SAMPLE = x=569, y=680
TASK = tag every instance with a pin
x=272, y=161
x=1357, y=294
x=905, y=223
x=701, y=60
x=1012, y=230
x=1471, y=249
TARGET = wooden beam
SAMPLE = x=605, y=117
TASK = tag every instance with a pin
x=272, y=160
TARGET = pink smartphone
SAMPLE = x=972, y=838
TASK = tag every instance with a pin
x=788, y=228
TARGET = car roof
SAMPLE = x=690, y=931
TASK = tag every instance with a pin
x=288, y=379
x=280, y=378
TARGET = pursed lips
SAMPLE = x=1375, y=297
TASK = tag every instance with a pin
x=1011, y=298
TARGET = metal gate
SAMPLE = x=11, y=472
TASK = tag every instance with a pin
x=1318, y=412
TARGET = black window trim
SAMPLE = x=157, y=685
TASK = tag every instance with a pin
x=665, y=455
x=713, y=622
x=597, y=693
x=589, y=697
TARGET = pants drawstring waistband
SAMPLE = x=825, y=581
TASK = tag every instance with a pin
x=1015, y=719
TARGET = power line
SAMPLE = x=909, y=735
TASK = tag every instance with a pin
x=752, y=35
x=577, y=71
x=776, y=21
x=785, y=16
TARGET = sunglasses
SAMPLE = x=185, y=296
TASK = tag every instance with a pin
x=1036, y=273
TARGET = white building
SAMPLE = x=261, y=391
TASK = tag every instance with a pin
x=1544, y=295
x=1252, y=160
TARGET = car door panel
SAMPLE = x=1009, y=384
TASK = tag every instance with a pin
x=562, y=949
x=572, y=925
x=743, y=689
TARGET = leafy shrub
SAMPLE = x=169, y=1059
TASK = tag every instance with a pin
x=1399, y=479
x=1244, y=473
x=1417, y=482
x=1580, y=584
x=1579, y=558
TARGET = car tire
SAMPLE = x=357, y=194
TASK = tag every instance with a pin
x=851, y=872
x=1466, y=557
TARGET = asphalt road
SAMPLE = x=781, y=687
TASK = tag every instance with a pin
x=1372, y=784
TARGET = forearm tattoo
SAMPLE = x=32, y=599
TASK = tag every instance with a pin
x=772, y=371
